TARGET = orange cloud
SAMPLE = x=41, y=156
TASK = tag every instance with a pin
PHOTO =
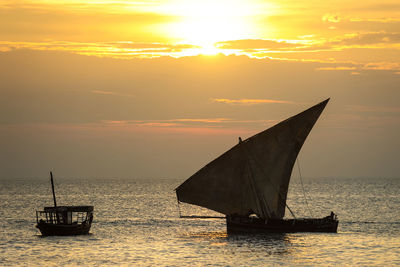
x=382, y=66
x=258, y=44
x=180, y=126
x=337, y=68
x=369, y=38
x=331, y=18
x=173, y=121
x=101, y=92
x=250, y=101
x=125, y=49
x=381, y=20
x=190, y=123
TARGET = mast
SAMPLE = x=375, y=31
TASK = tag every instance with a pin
x=52, y=188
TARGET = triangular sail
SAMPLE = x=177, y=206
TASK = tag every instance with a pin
x=253, y=176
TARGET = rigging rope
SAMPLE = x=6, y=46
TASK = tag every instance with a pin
x=302, y=186
x=179, y=208
x=196, y=216
x=274, y=186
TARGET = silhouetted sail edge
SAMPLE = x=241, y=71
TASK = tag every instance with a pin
x=253, y=176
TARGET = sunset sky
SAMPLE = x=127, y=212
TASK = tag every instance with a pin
x=158, y=88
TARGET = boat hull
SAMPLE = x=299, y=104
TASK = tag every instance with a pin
x=253, y=225
x=48, y=229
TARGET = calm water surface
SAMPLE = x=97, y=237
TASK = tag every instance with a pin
x=136, y=223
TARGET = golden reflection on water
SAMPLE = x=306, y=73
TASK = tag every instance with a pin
x=207, y=235
x=270, y=243
x=298, y=248
x=136, y=225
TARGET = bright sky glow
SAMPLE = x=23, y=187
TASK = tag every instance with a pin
x=294, y=30
x=140, y=71
x=204, y=23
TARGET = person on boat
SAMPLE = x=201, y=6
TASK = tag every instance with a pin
x=331, y=216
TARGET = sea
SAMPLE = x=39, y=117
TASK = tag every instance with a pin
x=136, y=223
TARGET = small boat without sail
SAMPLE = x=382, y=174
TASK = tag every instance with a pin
x=249, y=182
x=64, y=220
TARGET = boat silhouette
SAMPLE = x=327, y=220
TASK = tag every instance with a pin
x=64, y=220
x=249, y=182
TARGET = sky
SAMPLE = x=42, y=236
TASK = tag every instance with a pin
x=157, y=89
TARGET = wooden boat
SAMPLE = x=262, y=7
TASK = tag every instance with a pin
x=249, y=182
x=238, y=224
x=64, y=220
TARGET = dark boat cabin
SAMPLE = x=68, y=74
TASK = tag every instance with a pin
x=65, y=215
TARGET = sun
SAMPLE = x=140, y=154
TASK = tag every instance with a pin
x=203, y=23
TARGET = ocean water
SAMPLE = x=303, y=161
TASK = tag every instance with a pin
x=136, y=223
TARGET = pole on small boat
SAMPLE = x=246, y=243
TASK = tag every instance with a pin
x=52, y=188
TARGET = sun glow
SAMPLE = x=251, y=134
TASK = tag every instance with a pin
x=204, y=23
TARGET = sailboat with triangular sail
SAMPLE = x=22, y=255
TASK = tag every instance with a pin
x=249, y=182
